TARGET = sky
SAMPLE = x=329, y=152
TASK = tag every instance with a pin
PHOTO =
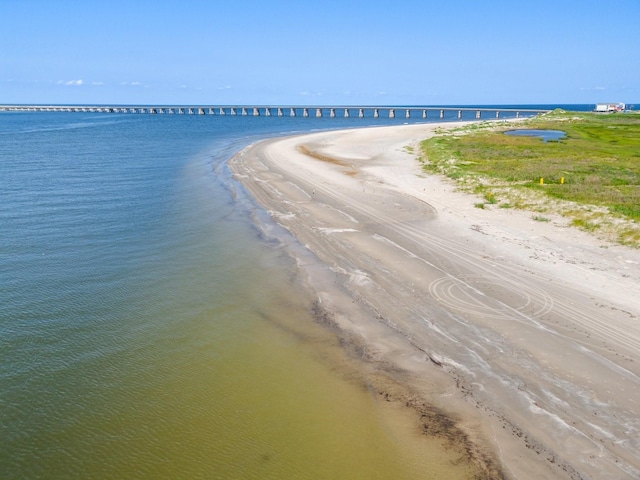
x=319, y=52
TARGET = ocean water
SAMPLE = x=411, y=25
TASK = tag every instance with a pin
x=147, y=327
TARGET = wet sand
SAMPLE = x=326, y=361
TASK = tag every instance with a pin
x=518, y=340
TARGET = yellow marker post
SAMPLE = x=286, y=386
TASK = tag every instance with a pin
x=562, y=181
x=541, y=181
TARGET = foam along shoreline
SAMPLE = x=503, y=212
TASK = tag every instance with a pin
x=526, y=333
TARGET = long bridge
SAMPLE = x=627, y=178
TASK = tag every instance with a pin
x=286, y=111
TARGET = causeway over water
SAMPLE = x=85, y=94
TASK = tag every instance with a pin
x=288, y=110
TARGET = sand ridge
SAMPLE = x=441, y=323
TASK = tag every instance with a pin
x=526, y=333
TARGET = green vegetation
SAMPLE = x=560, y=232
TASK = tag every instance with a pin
x=592, y=176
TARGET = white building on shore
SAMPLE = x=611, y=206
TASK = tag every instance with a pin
x=610, y=107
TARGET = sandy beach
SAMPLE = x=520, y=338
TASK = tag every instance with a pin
x=526, y=334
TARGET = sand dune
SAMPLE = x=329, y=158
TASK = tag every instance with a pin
x=526, y=333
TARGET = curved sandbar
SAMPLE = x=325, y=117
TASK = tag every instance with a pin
x=526, y=333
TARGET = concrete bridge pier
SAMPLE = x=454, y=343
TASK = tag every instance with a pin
x=478, y=114
x=392, y=113
x=361, y=113
x=424, y=113
x=376, y=113
x=256, y=112
x=407, y=114
x=318, y=113
x=181, y=111
x=459, y=114
x=346, y=113
x=441, y=113
x=497, y=114
x=243, y=112
x=332, y=113
x=201, y=111
x=280, y=114
x=305, y=112
x=233, y=111
x=267, y=111
x=221, y=111
x=292, y=112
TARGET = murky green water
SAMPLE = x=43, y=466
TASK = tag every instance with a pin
x=148, y=331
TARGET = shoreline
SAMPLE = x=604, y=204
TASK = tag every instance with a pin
x=523, y=334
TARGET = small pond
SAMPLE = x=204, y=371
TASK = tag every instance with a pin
x=546, y=135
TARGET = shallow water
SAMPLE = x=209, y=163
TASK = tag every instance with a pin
x=545, y=135
x=148, y=330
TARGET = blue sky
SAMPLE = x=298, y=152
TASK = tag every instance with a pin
x=319, y=52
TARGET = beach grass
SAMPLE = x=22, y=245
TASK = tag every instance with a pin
x=591, y=176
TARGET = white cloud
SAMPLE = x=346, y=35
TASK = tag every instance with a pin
x=307, y=93
x=74, y=83
x=226, y=87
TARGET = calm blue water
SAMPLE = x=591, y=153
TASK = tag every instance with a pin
x=133, y=287
x=545, y=135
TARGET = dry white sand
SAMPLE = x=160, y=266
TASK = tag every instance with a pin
x=525, y=332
